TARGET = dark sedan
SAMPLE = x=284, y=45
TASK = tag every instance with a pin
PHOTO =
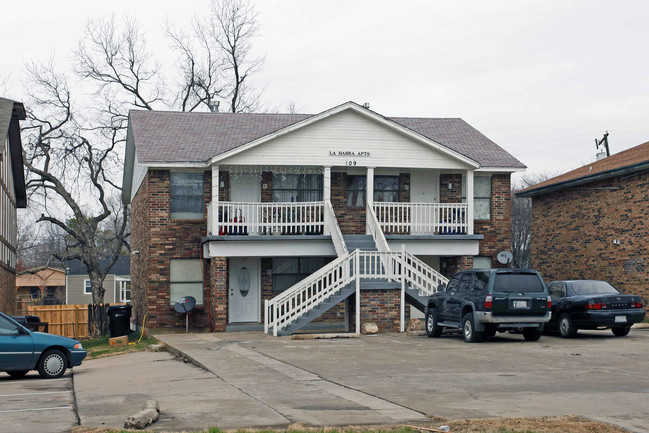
x=592, y=304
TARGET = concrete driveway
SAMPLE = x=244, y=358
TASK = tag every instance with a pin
x=394, y=378
x=35, y=405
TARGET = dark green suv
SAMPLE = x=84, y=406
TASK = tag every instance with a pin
x=482, y=302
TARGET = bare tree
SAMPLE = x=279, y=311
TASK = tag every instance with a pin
x=521, y=219
x=70, y=174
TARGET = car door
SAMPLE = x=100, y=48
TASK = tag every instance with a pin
x=557, y=292
x=16, y=346
x=452, y=289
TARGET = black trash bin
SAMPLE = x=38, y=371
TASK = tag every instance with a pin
x=119, y=320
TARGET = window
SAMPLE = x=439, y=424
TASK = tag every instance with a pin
x=454, y=284
x=386, y=188
x=513, y=282
x=465, y=285
x=481, y=197
x=288, y=271
x=87, y=287
x=356, y=190
x=125, y=291
x=297, y=187
x=186, y=191
x=557, y=290
x=7, y=327
x=186, y=279
x=481, y=262
x=481, y=281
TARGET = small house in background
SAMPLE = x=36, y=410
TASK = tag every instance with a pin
x=45, y=287
x=12, y=196
x=117, y=284
x=591, y=223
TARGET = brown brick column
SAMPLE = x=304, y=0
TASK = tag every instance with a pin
x=453, y=195
x=267, y=191
x=218, y=293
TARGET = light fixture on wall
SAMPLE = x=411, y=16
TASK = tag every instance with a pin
x=222, y=184
x=450, y=185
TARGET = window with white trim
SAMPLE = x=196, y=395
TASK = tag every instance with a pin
x=125, y=291
x=186, y=195
x=481, y=196
x=87, y=287
x=297, y=187
x=186, y=279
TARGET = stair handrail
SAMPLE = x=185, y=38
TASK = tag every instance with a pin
x=375, y=229
x=421, y=276
x=298, y=299
x=334, y=229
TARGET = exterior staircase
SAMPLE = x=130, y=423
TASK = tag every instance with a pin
x=364, y=262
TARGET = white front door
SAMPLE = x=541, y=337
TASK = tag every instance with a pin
x=424, y=188
x=244, y=291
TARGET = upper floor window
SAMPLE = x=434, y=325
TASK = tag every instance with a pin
x=186, y=195
x=386, y=188
x=481, y=196
x=124, y=290
x=356, y=191
x=297, y=187
x=87, y=287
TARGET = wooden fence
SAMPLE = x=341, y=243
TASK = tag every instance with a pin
x=72, y=320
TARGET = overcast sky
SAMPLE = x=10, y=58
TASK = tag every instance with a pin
x=542, y=79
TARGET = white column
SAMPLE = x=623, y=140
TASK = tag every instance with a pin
x=469, y=200
x=326, y=193
x=215, y=201
x=402, y=302
x=370, y=193
x=358, y=292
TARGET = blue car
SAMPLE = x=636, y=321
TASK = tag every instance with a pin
x=22, y=350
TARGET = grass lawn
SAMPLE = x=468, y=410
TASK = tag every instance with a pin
x=99, y=347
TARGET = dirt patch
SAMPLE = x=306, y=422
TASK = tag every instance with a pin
x=563, y=424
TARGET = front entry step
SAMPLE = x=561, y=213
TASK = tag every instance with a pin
x=318, y=310
x=359, y=242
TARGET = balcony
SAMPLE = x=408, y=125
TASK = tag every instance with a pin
x=423, y=218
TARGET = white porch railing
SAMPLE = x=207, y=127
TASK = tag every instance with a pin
x=238, y=218
x=374, y=228
x=422, y=218
x=332, y=228
x=308, y=293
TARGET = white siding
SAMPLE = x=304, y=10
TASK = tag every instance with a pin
x=345, y=131
x=139, y=173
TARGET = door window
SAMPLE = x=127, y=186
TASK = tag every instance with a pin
x=454, y=284
x=465, y=284
x=557, y=290
x=481, y=281
x=7, y=327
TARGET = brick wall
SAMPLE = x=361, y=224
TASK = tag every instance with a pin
x=382, y=307
x=497, y=231
x=160, y=239
x=453, y=195
x=573, y=233
x=7, y=291
x=218, y=293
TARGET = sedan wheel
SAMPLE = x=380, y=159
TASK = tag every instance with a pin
x=52, y=364
x=566, y=328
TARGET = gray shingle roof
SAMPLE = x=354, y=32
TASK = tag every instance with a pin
x=163, y=136
x=121, y=267
x=6, y=109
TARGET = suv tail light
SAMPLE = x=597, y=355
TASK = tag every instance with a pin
x=636, y=304
x=549, y=302
x=488, y=302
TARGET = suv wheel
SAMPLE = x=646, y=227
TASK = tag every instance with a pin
x=532, y=334
x=432, y=328
x=566, y=328
x=621, y=331
x=468, y=329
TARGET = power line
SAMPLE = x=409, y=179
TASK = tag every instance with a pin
x=553, y=139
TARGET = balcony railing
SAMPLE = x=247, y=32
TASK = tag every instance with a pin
x=237, y=218
x=423, y=218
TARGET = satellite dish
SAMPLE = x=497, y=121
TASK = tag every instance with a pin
x=184, y=306
x=504, y=257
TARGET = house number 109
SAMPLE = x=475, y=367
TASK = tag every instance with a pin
x=351, y=163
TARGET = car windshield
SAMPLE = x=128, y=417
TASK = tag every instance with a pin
x=592, y=288
x=516, y=282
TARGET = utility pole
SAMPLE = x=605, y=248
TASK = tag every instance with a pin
x=604, y=142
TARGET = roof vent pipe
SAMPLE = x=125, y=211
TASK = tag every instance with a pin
x=214, y=106
x=366, y=105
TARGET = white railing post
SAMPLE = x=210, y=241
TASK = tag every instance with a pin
x=358, y=291
x=469, y=201
x=402, y=325
x=214, y=205
x=265, y=316
x=275, y=319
